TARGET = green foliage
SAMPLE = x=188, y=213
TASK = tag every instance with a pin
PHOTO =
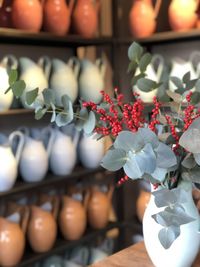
x=31, y=96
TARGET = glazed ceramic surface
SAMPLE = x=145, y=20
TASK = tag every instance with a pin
x=57, y=16
x=9, y=161
x=8, y=62
x=5, y=14
x=142, y=18
x=42, y=228
x=27, y=15
x=72, y=218
x=182, y=14
x=63, y=79
x=29, y=70
x=91, y=80
x=85, y=17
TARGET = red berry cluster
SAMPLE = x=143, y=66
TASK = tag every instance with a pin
x=123, y=180
x=173, y=132
x=155, y=112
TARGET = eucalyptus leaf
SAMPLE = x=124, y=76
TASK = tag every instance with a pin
x=165, y=156
x=127, y=141
x=48, y=96
x=159, y=174
x=168, y=235
x=40, y=113
x=195, y=98
x=146, y=85
x=132, y=66
x=135, y=52
x=135, y=78
x=31, y=96
x=83, y=116
x=176, y=97
x=192, y=175
x=195, y=124
x=190, y=140
x=13, y=75
x=131, y=167
x=186, y=77
x=191, y=84
x=149, y=137
x=197, y=85
x=64, y=118
x=188, y=162
x=197, y=158
x=18, y=88
x=145, y=61
x=114, y=159
x=177, y=82
x=146, y=159
x=89, y=125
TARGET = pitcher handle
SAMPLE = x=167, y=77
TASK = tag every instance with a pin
x=45, y=63
x=98, y=4
x=20, y=146
x=100, y=63
x=75, y=65
x=49, y=130
x=160, y=65
x=10, y=62
x=157, y=7
x=110, y=192
x=71, y=6
x=24, y=130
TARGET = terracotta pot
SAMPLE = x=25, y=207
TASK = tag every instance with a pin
x=42, y=229
x=98, y=207
x=12, y=241
x=141, y=203
x=85, y=18
x=27, y=15
x=5, y=14
x=72, y=218
x=57, y=16
x=142, y=18
x=182, y=14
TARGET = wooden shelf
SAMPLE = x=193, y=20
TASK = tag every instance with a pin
x=62, y=245
x=13, y=36
x=20, y=111
x=51, y=180
x=163, y=38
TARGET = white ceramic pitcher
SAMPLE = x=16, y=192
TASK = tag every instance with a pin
x=33, y=164
x=8, y=62
x=91, y=80
x=153, y=74
x=9, y=161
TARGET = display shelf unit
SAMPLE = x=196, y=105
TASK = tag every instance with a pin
x=79, y=174
x=16, y=112
x=13, y=36
x=62, y=245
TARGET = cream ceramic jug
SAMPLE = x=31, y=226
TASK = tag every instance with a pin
x=63, y=78
x=90, y=151
x=9, y=161
x=179, y=68
x=91, y=80
x=62, y=152
x=153, y=74
x=8, y=62
x=34, y=77
x=33, y=163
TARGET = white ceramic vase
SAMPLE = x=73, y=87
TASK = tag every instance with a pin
x=184, y=249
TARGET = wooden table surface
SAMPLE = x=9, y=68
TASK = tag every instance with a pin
x=134, y=256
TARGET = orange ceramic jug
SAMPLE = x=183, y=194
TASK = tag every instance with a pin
x=27, y=15
x=142, y=18
x=5, y=14
x=182, y=14
x=85, y=18
x=72, y=218
x=98, y=207
x=42, y=227
x=141, y=203
x=57, y=16
x=12, y=238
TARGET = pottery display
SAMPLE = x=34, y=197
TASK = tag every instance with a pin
x=63, y=78
x=142, y=18
x=91, y=80
x=90, y=151
x=33, y=163
x=9, y=161
x=72, y=217
x=27, y=15
x=62, y=153
x=12, y=241
x=29, y=70
x=42, y=228
x=85, y=17
x=5, y=14
x=98, y=207
x=182, y=14
x=57, y=16
x=7, y=63
x=153, y=74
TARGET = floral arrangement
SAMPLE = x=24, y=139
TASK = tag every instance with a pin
x=163, y=149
